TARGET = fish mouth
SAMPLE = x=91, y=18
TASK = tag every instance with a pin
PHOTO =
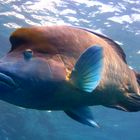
x=6, y=82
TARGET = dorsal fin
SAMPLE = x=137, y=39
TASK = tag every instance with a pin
x=115, y=46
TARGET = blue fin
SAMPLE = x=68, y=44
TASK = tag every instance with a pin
x=82, y=115
x=86, y=74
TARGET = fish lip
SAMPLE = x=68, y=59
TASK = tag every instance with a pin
x=7, y=80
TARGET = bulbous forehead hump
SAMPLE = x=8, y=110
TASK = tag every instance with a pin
x=51, y=39
x=67, y=41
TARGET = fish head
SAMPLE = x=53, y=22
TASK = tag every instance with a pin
x=29, y=70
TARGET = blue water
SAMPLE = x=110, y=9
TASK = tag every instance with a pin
x=120, y=20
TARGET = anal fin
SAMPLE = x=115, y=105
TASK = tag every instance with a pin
x=82, y=115
x=132, y=102
x=129, y=103
x=119, y=107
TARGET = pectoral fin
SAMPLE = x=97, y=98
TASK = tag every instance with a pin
x=82, y=115
x=86, y=74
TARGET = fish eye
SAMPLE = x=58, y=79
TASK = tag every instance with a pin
x=28, y=54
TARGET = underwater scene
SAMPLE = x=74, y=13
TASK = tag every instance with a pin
x=118, y=20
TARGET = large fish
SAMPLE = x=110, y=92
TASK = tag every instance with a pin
x=67, y=68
